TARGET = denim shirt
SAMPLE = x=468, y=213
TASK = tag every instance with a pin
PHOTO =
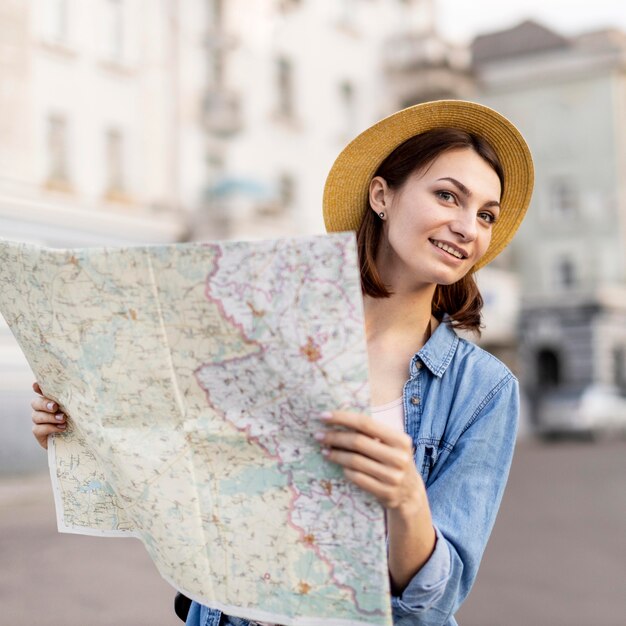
x=461, y=407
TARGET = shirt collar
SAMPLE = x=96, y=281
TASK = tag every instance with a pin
x=437, y=352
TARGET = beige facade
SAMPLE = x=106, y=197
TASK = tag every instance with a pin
x=101, y=140
x=568, y=96
x=139, y=121
x=100, y=132
x=292, y=83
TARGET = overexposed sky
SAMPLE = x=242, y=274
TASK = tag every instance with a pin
x=461, y=20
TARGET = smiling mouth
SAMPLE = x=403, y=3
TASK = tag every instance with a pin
x=455, y=252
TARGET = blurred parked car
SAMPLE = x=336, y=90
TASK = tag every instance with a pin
x=591, y=411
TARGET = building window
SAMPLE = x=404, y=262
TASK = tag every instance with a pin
x=57, y=146
x=56, y=20
x=217, y=51
x=217, y=12
x=287, y=5
x=216, y=67
x=619, y=368
x=346, y=13
x=113, y=29
x=114, y=147
x=565, y=273
x=563, y=198
x=286, y=190
x=348, y=109
x=548, y=369
x=284, y=69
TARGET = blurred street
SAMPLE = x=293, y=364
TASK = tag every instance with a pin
x=557, y=554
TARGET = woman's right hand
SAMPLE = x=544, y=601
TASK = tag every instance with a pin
x=47, y=417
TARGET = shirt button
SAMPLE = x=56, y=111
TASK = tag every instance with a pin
x=415, y=400
x=418, y=365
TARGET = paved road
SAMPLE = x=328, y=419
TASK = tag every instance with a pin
x=557, y=554
x=51, y=579
x=19, y=452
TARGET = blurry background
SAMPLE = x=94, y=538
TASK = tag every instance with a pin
x=132, y=121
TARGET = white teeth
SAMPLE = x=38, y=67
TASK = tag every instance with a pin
x=448, y=249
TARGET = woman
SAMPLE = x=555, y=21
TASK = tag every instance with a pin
x=435, y=192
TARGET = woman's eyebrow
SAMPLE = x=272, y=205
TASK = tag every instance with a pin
x=462, y=188
x=465, y=191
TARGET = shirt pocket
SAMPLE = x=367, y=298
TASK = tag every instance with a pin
x=431, y=452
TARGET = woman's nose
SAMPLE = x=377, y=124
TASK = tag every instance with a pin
x=465, y=226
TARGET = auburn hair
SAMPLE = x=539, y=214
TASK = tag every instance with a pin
x=461, y=301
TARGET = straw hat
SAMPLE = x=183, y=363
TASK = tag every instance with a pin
x=346, y=193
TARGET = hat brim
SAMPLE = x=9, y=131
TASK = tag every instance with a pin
x=346, y=193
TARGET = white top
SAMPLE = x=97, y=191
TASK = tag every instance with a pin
x=391, y=414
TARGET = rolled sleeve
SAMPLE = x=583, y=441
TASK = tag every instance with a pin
x=429, y=584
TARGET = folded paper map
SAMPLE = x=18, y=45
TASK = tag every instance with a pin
x=192, y=375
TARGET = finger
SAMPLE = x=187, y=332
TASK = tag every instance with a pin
x=365, y=424
x=42, y=431
x=43, y=417
x=384, y=474
x=366, y=435
x=37, y=388
x=356, y=442
x=44, y=404
x=369, y=484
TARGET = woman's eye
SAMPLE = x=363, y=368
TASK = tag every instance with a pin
x=446, y=196
x=490, y=218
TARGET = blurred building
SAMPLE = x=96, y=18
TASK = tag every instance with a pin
x=101, y=139
x=290, y=83
x=101, y=130
x=568, y=96
x=421, y=66
x=126, y=122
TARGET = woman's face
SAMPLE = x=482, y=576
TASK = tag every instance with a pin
x=438, y=224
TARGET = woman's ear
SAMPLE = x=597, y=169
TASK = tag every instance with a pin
x=379, y=195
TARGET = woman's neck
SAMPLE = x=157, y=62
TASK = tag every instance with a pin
x=396, y=328
x=403, y=313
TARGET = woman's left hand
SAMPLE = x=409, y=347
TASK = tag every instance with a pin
x=374, y=457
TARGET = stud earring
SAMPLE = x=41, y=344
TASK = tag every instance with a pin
x=381, y=215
